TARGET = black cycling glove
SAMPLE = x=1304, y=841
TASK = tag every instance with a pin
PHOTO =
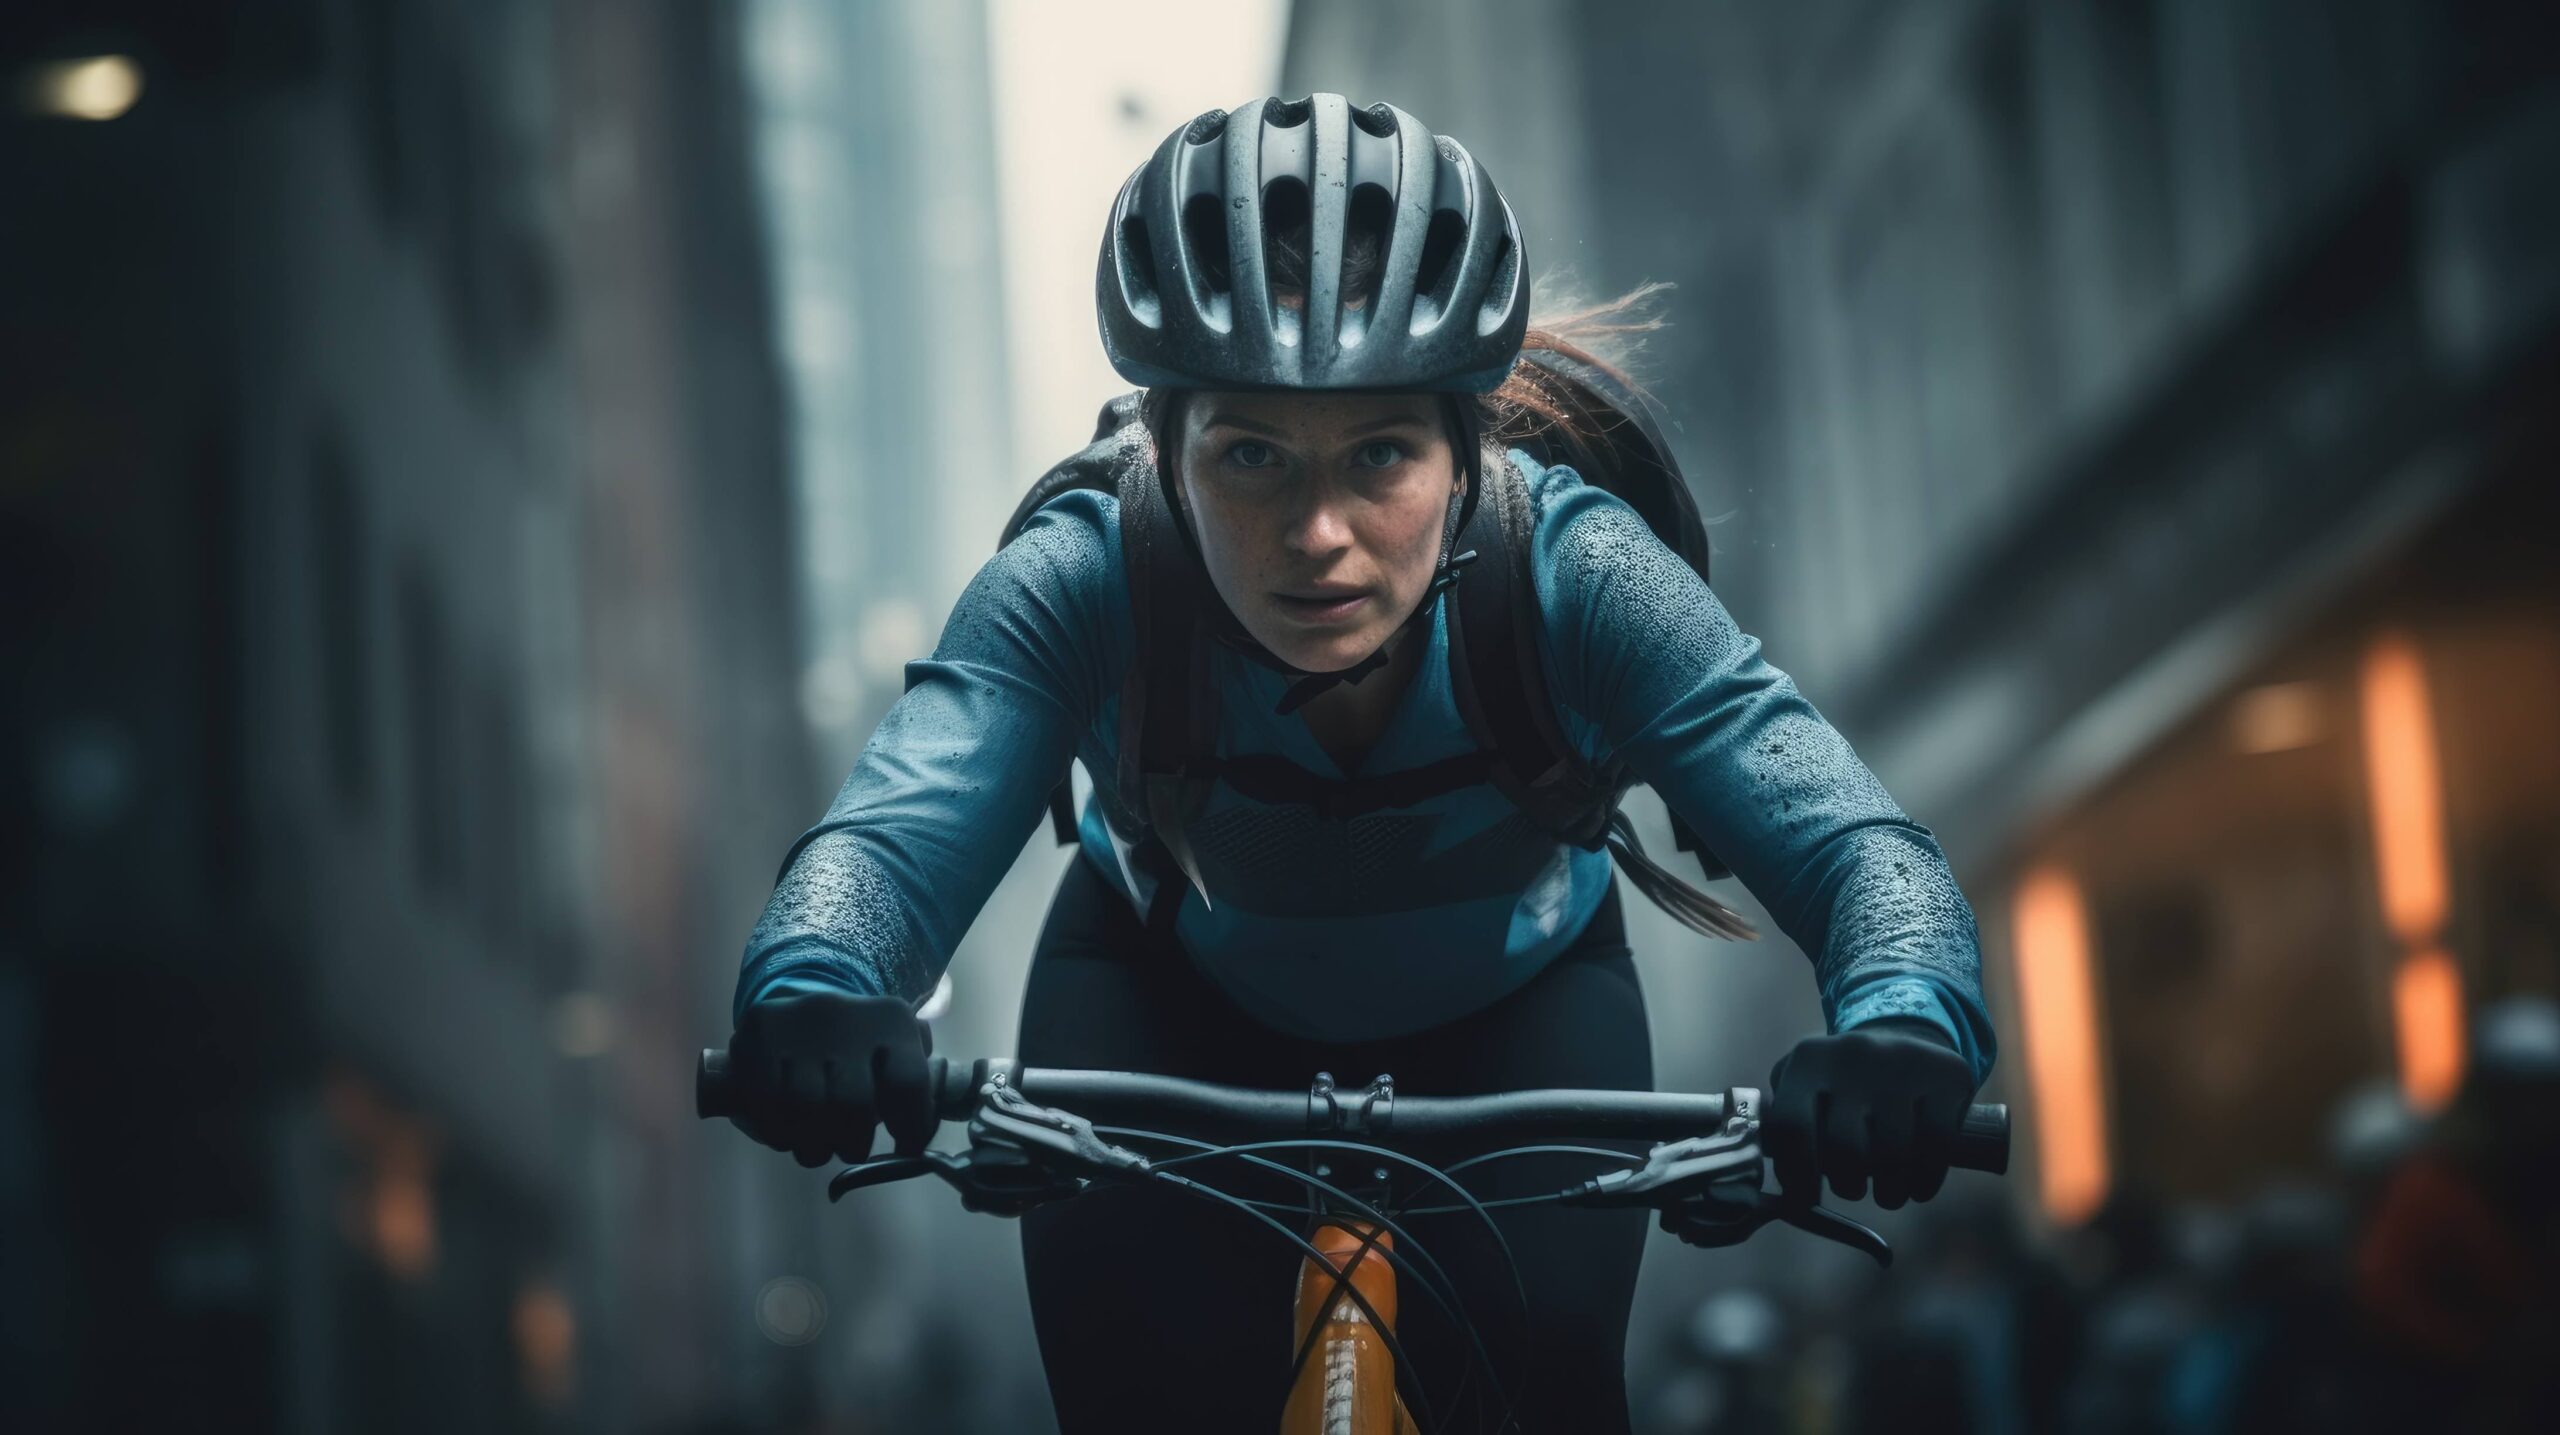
x=1882, y=1102
x=820, y=1072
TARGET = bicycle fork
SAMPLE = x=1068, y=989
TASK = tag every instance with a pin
x=1348, y=1384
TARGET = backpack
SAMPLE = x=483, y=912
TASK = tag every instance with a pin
x=1168, y=705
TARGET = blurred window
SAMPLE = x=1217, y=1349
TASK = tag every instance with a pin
x=340, y=608
x=435, y=792
x=501, y=810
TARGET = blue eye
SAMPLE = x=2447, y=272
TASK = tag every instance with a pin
x=1249, y=454
x=1384, y=453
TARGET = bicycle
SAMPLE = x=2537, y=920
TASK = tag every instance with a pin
x=1705, y=1176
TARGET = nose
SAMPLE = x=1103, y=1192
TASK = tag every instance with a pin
x=1320, y=527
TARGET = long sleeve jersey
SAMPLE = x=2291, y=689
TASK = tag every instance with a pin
x=1427, y=912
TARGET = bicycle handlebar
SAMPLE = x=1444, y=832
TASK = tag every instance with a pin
x=1206, y=1109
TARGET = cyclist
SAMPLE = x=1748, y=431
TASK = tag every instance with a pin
x=1321, y=377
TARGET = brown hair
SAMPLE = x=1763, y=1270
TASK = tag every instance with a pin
x=1532, y=403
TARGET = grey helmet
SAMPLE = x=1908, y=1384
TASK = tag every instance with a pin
x=1183, y=290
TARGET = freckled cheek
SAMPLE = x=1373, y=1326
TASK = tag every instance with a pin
x=1407, y=552
x=1236, y=549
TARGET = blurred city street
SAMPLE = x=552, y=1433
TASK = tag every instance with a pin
x=472, y=477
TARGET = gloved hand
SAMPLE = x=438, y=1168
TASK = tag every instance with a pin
x=1882, y=1102
x=821, y=1071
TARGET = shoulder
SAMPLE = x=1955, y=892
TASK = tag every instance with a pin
x=1069, y=545
x=1546, y=484
x=1582, y=537
x=1613, y=599
x=1056, y=592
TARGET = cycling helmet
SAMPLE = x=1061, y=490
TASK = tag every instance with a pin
x=1184, y=285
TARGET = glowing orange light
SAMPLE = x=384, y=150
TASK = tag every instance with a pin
x=2408, y=802
x=2057, y=997
x=2278, y=717
x=546, y=1334
x=403, y=1209
x=393, y=1211
x=2426, y=1006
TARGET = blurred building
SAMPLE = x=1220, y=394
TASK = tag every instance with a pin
x=403, y=645
x=2130, y=423
x=876, y=167
x=875, y=150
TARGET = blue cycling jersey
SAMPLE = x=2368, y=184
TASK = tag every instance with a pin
x=1427, y=912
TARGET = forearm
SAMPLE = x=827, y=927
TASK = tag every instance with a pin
x=874, y=898
x=836, y=919
x=1678, y=692
x=1892, y=936
x=1865, y=891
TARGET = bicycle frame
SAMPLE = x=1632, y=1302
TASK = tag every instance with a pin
x=1347, y=1385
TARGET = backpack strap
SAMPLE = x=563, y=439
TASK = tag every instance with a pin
x=1168, y=699
x=1499, y=682
x=1500, y=685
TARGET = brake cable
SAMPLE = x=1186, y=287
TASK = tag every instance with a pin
x=1452, y=1307
x=1540, y=1200
x=1386, y=1333
x=1511, y=1263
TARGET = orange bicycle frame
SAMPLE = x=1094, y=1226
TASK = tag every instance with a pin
x=1348, y=1384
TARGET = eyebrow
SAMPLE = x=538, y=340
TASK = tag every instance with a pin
x=1226, y=420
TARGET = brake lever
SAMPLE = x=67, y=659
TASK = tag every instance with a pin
x=1727, y=1157
x=878, y=1173
x=1008, y=1120
x=1818, y=1219
x=997, y=1182
x=1020, y=1155
x=1710, y=1189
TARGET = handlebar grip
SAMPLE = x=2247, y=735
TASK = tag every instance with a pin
x=714, y=1095
x=717, y=1094
x=1982, y=1143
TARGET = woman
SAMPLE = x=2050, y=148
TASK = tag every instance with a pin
x=1327, y=307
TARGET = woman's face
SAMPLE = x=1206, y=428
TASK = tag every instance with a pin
x=1318, y=514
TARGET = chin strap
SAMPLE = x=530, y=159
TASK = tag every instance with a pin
x=1309, y=686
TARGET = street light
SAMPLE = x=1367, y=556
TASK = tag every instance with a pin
x=99, y=87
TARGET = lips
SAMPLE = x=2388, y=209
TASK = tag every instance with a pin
x=1322, y=605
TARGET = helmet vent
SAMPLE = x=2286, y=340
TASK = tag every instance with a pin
x=1204, y=232
x=1138, y=271
x=1368, y=229
x=1288, y=114
x=1376, y=120
x=1436, y=274
x=1286, y=212
x=1206, y=129
x=1287, y=240
x=1498, y=294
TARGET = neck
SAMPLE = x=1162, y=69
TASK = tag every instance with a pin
x=1347, y=718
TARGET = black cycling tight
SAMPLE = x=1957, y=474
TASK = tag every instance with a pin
x=1157, y=1311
